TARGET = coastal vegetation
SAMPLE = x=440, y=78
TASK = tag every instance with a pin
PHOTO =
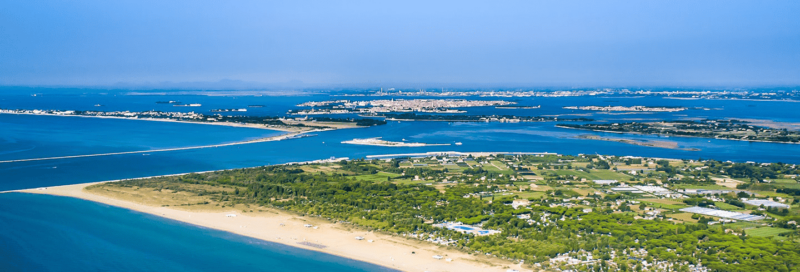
x=552, y=211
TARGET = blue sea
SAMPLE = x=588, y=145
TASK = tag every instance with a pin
x=50, y=233
x=37, y=230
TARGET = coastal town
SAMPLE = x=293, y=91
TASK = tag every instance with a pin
x=475, y=118
x=393, y=105
x=787, y=94
x=624, y=108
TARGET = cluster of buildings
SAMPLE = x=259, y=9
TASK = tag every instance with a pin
x=625, y=108
x=395, y=105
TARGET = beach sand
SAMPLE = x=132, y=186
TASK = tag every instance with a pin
x=339, y=239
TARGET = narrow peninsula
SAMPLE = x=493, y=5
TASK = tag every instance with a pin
x=718, y=129
x=304, y=124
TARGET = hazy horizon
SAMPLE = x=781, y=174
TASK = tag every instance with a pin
x=525, y=44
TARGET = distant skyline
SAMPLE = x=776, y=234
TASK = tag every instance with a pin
x=263, y=44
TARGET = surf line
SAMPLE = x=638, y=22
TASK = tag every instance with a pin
x=268, y=139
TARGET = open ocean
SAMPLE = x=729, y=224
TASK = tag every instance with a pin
x=64, y=234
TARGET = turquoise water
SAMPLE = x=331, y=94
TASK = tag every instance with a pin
x=48, y=233
x=64, y=234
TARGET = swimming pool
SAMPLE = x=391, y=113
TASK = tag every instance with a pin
x=465, y=228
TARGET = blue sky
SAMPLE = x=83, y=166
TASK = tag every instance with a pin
x=318, y=43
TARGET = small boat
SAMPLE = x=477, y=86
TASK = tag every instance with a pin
x=98, y=105
x=458, y=143
x=145, y=154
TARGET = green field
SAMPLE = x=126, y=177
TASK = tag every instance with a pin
x=526, y=195
x=593, y=175
x=766, y=231
x=727, y=207
x=380, y=176
x=663, y=204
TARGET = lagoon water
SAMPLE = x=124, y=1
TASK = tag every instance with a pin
x=42, y=232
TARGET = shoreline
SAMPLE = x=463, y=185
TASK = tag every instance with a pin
x=288, y=229
x=685, y=136
x=227, y=124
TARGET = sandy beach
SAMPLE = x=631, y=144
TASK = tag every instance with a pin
x=289, y=229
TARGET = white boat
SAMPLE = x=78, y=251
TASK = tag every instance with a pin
x=438, y=257
x=458, y=143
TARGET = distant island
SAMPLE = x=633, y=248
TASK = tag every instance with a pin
x=517, y=107
x=718, y=129
x=268, y=122
x=228, y=110
x=378, y=142
x=624, y=108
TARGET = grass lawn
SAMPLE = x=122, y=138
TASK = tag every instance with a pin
x=455, y=168
x=769, y=193
x=656, y=203
x=380, y=176
x=498, y=167
x=685, y=217
x=542, y=188
x=592, y=175
x=526, y=195
x=584, y=192
x=790, y=185
x=766, y=231
x=785, y=181
x=727, y=207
